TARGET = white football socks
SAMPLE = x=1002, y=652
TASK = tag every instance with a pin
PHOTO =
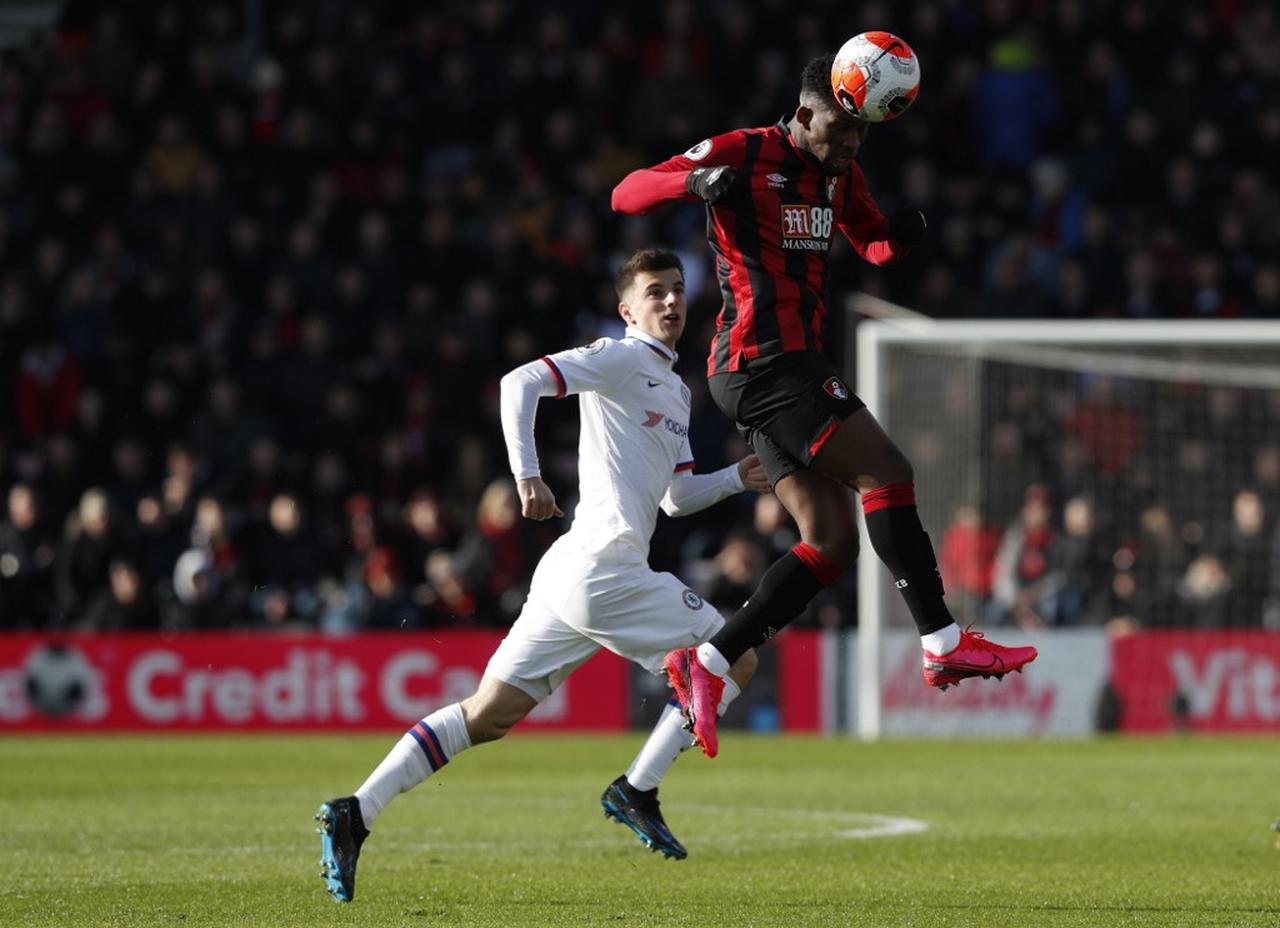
x=424, y=749
x=711, y=658
x=942, y=641
x=668, y=740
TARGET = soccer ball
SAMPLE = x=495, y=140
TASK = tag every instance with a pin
x=875, y=76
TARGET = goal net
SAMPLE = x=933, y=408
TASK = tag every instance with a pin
x=1086, y=484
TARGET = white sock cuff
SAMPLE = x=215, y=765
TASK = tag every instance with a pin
x=449, y=726
x=941, y=641
x=711, y=658
x=731, y=692
x=660, y=751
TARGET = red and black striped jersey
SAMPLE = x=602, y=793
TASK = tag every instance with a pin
x=772, y=241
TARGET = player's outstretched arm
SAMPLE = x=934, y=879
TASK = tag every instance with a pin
x=879, y=240
x=709, y=171
x=689, y=492
x=647, y=189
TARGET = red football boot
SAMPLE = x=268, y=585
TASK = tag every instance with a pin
x=974, y=656
x=698, y=690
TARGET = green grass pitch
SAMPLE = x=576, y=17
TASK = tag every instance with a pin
x=187, y=831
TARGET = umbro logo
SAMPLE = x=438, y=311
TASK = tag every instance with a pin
x=777, y=180
x=655, y=383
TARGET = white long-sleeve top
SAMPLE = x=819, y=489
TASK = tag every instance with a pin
x=633, y=447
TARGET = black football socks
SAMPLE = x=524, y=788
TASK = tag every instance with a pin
x=902, y=543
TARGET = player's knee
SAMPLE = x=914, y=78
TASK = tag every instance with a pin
x=840, y=548
x=897, y=468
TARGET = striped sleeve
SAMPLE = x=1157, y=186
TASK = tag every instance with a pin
x=604, y=364
x=647, y=189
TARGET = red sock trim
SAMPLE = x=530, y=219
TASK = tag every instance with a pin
x=893, y=494
x=822, y=569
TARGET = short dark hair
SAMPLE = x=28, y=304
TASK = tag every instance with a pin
x=646, y=259
x=815, y=82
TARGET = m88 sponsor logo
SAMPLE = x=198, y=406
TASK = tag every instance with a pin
x=806, y=228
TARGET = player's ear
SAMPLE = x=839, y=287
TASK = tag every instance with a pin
x=624, y=310
x=804, y=115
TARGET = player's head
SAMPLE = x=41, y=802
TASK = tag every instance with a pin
x=820, y=125
x=650, y=289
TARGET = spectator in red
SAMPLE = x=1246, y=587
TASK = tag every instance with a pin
x=1111, y=433
x=1022, y=560
x=966, y=559
x=48, y=388
x=504, y=548
x=389, y=606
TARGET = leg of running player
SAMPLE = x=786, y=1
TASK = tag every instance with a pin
x=823, y=510
x=487, y=715
x=670, y=736
x=632, y=799
x=431, y=743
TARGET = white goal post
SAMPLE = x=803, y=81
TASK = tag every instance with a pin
x=920, y=376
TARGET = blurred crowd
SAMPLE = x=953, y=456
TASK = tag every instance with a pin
x=1127, y=504
x=262, y=265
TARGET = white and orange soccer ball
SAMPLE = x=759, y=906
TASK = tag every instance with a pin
x=875, y=76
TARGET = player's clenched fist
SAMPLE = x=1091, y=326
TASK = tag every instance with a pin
x=752, y=473
x=712, y=184
x=536, y=499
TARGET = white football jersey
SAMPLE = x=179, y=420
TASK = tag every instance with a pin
x=634, y=437
x=633, y=440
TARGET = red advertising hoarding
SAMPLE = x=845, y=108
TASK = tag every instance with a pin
x=801, y=686
x=226, y=681
x=1199, y=681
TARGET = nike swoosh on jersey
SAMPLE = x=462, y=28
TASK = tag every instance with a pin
x=654, y=383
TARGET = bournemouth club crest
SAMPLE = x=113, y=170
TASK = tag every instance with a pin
x=837, y=389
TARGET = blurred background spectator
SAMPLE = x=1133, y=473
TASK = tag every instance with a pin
x=261, y=266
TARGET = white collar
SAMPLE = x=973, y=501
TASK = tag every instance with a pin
x=667, y=354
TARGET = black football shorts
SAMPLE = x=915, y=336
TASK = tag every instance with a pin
x=785, y=406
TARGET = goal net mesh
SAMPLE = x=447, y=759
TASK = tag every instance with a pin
x=1087, y=482
x=1122, y=481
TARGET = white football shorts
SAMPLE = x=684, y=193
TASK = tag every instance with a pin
x=578, y=604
